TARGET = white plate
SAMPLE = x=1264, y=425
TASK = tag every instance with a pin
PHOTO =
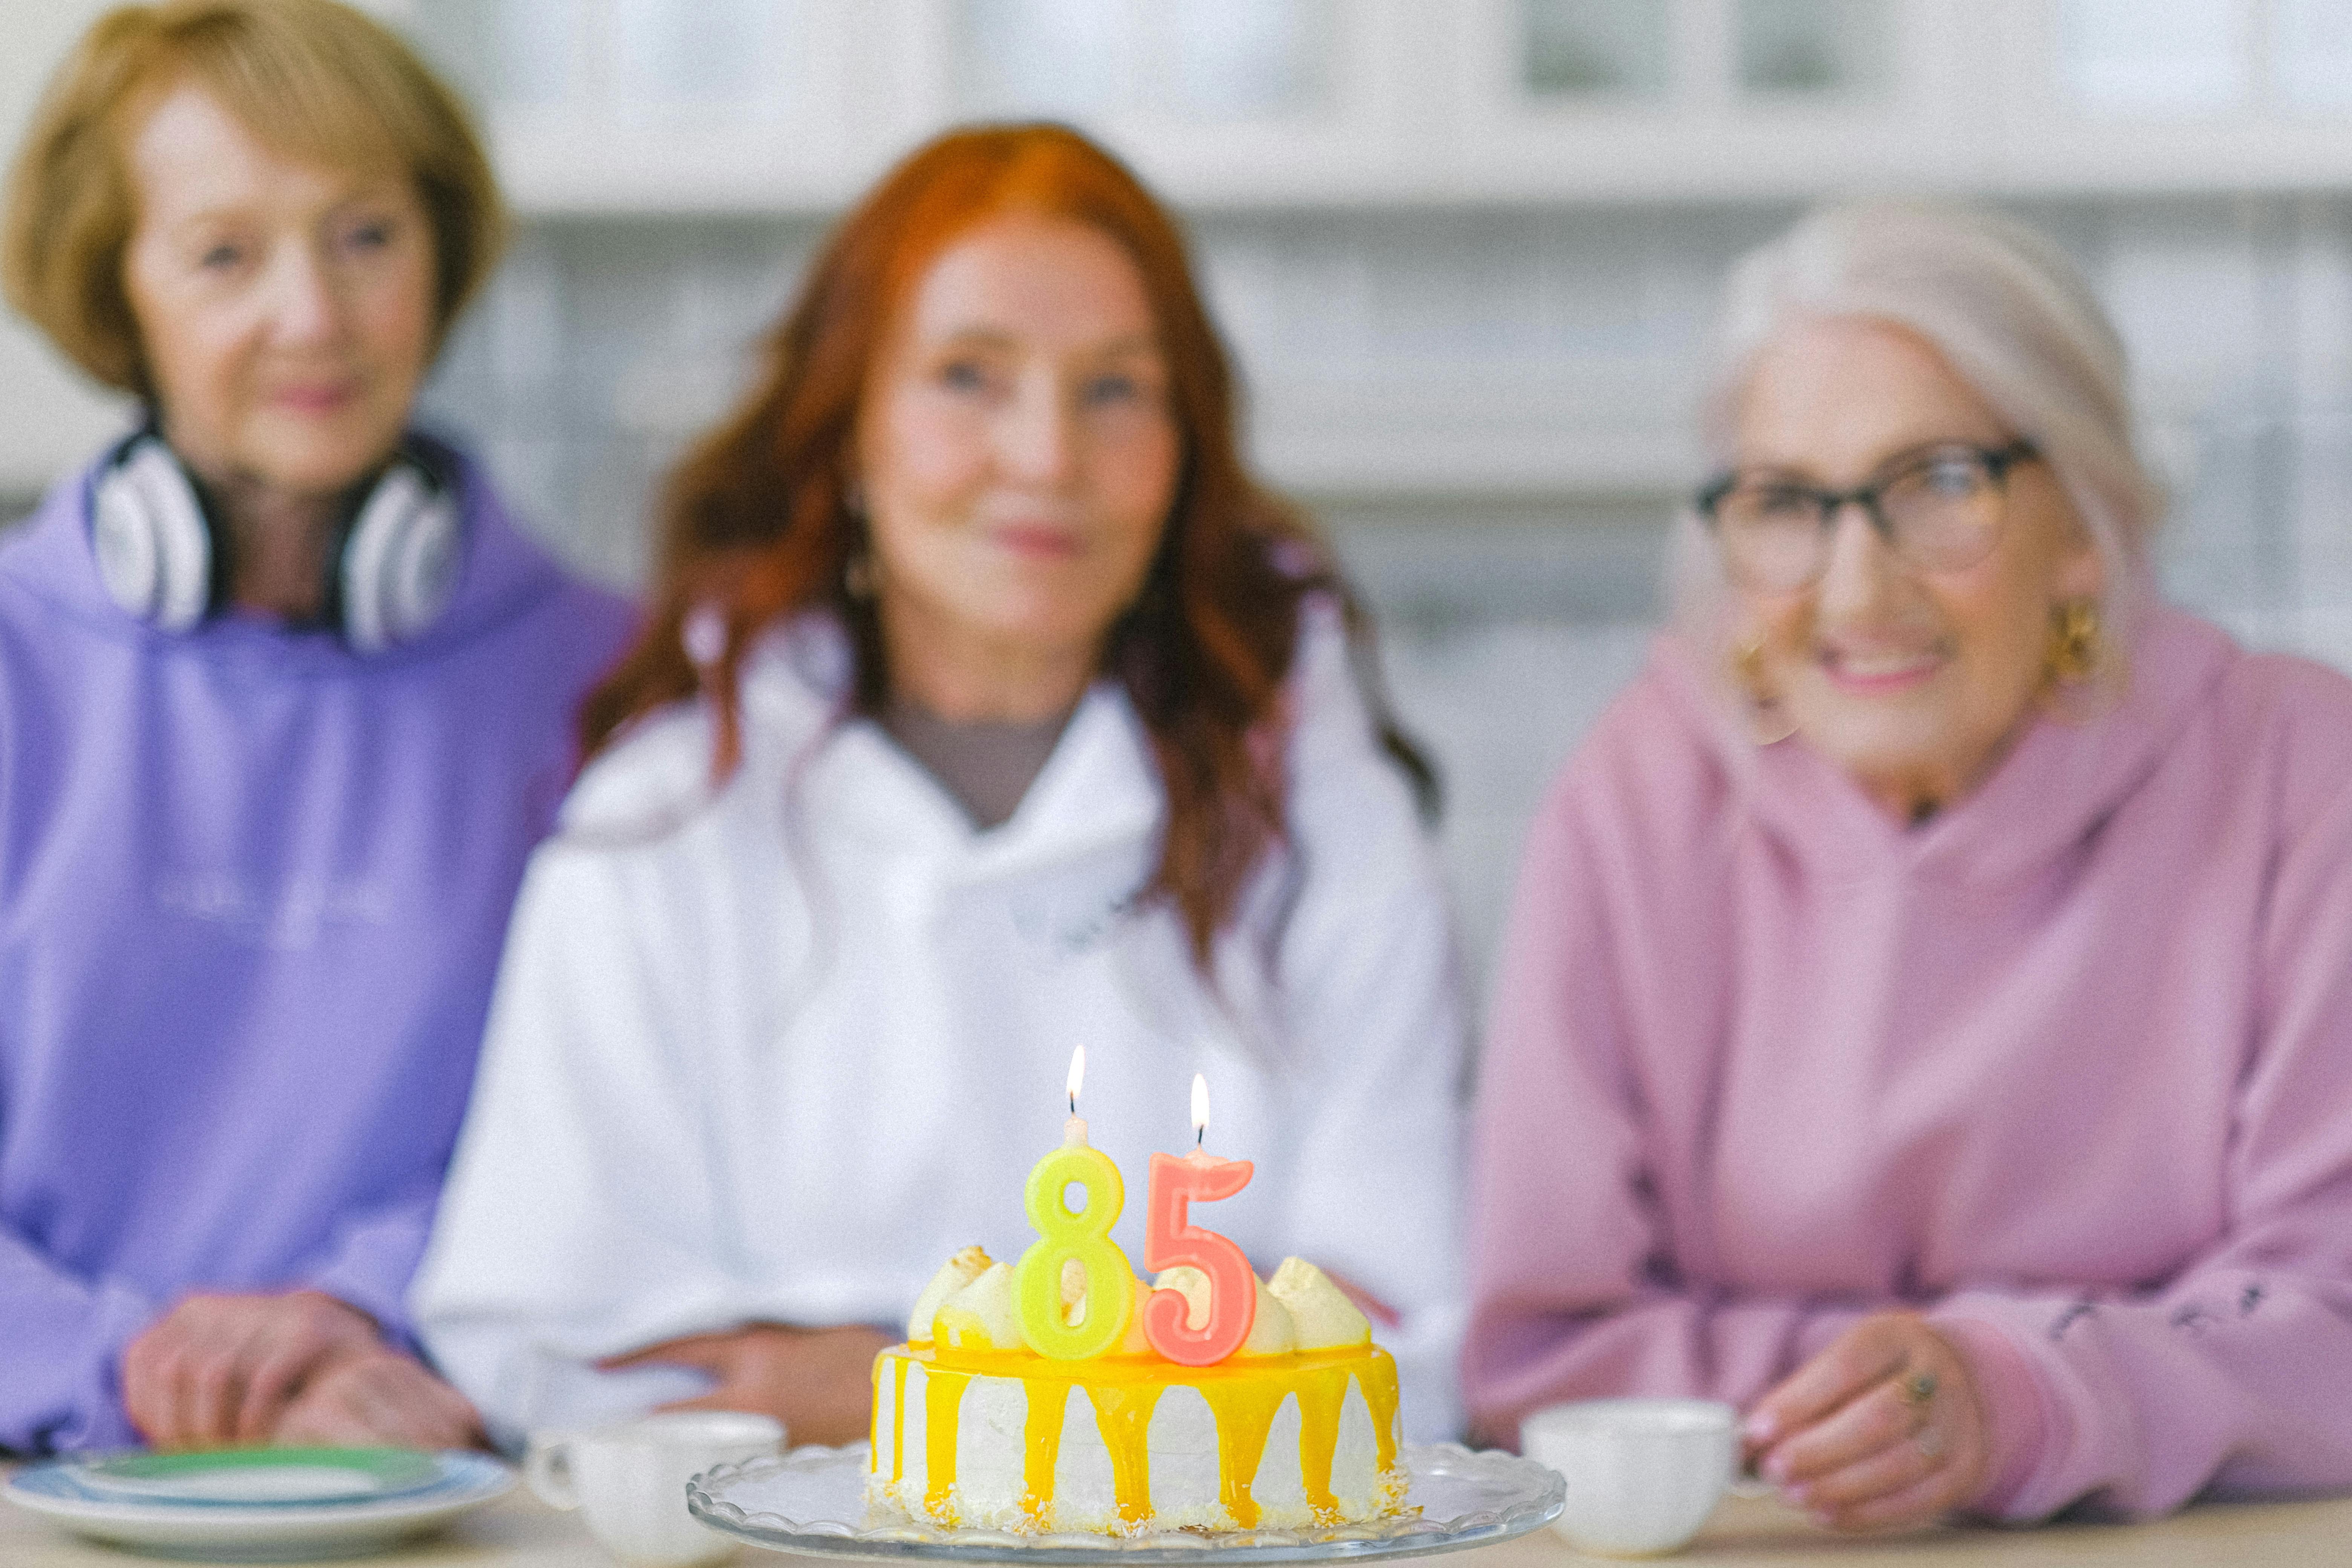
x=812, y=1501
x=256, y=1512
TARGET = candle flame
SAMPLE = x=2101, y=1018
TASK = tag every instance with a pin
x=1078, y=1075
x=1199, y=1107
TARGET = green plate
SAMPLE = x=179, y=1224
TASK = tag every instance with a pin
x=248, y=1478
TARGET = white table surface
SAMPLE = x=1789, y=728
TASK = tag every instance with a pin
x=519, y=1532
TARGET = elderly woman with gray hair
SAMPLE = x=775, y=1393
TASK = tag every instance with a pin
x=1927, y=1016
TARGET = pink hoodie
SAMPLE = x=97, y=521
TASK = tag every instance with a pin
x=2069, y=1068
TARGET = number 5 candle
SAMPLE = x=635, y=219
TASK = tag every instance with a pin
x=1065, y=1233
x=1169, y=1240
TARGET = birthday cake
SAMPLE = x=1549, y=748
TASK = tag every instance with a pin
x=1062, y=1394
x=973, y=1427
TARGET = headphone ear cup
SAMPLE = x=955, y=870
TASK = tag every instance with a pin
x=400, y=563
x=154, y=552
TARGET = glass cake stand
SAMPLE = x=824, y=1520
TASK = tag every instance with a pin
x=812, y=1501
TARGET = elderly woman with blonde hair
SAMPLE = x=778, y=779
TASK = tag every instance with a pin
x=285, y=702
x=1923, y=1019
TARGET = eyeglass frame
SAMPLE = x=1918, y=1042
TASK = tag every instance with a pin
x=1998, y=462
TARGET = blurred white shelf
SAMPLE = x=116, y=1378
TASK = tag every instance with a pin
x=1346, y=103
x=1587, y=432
x=552, y=166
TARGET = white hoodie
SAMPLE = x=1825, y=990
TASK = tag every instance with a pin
x=775, y=1052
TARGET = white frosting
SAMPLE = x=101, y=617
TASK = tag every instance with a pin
x=1192, y=1285
x=1271, y=1331
x=982, y=1315
x=954, y=1274
x=1320, y=1312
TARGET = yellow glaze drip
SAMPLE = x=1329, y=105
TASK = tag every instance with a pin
x=899, y=1427
x=1123, y=1414
x=1244, y=1408
x=1245, y=1393
x=1049, y=1401
x=1378, y=1378
x=1320, y=1396
x=942, y=1396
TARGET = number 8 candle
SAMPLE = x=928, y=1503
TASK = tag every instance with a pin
x=1169, y=1240
x=1065, y=1233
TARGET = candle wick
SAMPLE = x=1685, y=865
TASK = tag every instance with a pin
x=1074, y=1103
x=1198, y=1135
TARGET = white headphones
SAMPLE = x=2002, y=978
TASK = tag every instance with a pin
x=393, y=575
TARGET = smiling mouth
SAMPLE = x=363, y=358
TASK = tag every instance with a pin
x=327, y=399
x=1881, y=672
x=1037, y=541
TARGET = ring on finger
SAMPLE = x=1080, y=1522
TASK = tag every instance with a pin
x=1917, y=1389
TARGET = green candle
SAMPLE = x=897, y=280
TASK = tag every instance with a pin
x=1065, y=1233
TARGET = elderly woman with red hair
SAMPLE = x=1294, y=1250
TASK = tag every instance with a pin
x=988, y=710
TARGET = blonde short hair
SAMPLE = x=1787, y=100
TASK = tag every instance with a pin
x=311, y=79
x=2005, y=310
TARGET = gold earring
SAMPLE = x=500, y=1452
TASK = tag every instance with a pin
x=1769, y=722
x=2078, y=645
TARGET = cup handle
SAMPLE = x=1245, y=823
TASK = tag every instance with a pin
x=547, y=1470
x=1741, y=1480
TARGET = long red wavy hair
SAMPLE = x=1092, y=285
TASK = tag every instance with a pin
x=754, y=525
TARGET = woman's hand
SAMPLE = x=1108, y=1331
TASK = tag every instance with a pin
x=818, y=1381
x=222, y=1369
x=380, y=1397
x=1882, y=1430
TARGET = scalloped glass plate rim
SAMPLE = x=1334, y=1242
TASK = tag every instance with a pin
x=1534, y=1497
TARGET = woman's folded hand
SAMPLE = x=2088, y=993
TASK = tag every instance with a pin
x=818, y=1381
x=380, y=1396
x=1881, y=1430
x=218, y=1369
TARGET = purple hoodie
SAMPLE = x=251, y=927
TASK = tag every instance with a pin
x=253, y=888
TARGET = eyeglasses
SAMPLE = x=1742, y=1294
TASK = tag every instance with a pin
x=1939, y=510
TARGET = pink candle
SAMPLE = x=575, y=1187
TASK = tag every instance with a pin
x=1170, y=1239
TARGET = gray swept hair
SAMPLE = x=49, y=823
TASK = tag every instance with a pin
x=2007, y=310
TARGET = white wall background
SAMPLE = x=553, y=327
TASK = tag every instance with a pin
x=47, y=411
x=1467, y=309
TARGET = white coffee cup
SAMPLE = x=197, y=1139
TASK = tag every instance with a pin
x=628, y=1480
x=1643, y=1474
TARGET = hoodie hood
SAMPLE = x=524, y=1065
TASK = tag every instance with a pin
x=501, y=575
x=2060, y=782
